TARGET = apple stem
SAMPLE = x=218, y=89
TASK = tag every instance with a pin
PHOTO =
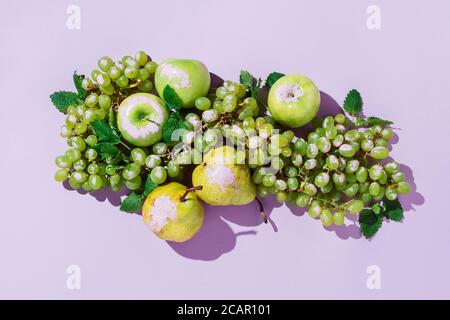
x=123, y=143
x=188, y=190
x=261, y=210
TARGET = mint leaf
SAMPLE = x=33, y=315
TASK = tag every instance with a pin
x=353, y=102
x=394, y=210
x=246, y=78
x=272, y=78
x=105, y=132
x=132, y=203
x=171, y=98
x=107, y=150
x=149, y=187
x=77, y=80
x=169, y=127
x=371, y=121
x=64, y=99
x=369, y=223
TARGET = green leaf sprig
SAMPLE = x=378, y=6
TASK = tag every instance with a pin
x=371, y=220
x=173, y=104
x=64, y=99
x=247, y=79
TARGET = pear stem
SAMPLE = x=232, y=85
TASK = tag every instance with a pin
x=261, y=210
x=188, y=190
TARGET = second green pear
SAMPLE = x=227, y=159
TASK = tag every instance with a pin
x=224, y=181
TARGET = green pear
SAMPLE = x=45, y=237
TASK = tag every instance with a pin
x=173, y=213
x=224, y=181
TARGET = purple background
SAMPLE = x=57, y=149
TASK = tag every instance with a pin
x=402, y=71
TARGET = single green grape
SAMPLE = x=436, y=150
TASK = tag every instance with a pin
x=173, y=169
x=122, y=81
x=91, y=100
x=151, y=66
x=291, y=171
x=79, y=165
x=338, y=218
x=398, y=177
x=387, y=134
x=351, y=189
x=302, y=200
x=114, y=72
x=322, y=179
x=326, y=217
x=309, y=189
x=131, y=171
x=115, y=179
x=391, y=193
x=363, y=186
x=340, y=118
x=110, y=169
x=381, y=143
x=374, y=189
x=338, y=141
x=315, y=209
x=138, y=156
x=355, y=206
x=332, y=162
x=352, y=136
x=331, y=132
x=61, y=175
x=92, y=168
x=134, y=183
x=73, y=154
x=95, y=182
x=300, y=146
x=269, y=180
x=78, y=176
x=281, y=196
x=104, y=63
x=63, y=162
x=90, y=154
x=296, y=159
x=367, y=145
x=327, y=188
x=158, y=175
x=310, y=164
x=104, y=102
x=202, y=103
x=328, y=122
x=339, y=178
x=324, y=145
x=391, y=168
x=145, y=86
x=292, y=183
x=352, y=166
x=379, y=153
x=262, y=191
x=131, y=72
x=403, y=187
x=375, y=172
x=103, y=80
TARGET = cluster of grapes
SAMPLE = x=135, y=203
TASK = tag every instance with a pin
x=336, y=169
x=81, y=164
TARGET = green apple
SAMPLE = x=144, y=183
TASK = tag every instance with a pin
x=189, y=78
x=140, y=118
x=294, y=100
x=172, y=214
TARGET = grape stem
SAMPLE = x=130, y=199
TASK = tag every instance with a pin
x=188, y=190
x=261, y=210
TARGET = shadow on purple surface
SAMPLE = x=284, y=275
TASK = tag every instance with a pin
x=216, y=237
